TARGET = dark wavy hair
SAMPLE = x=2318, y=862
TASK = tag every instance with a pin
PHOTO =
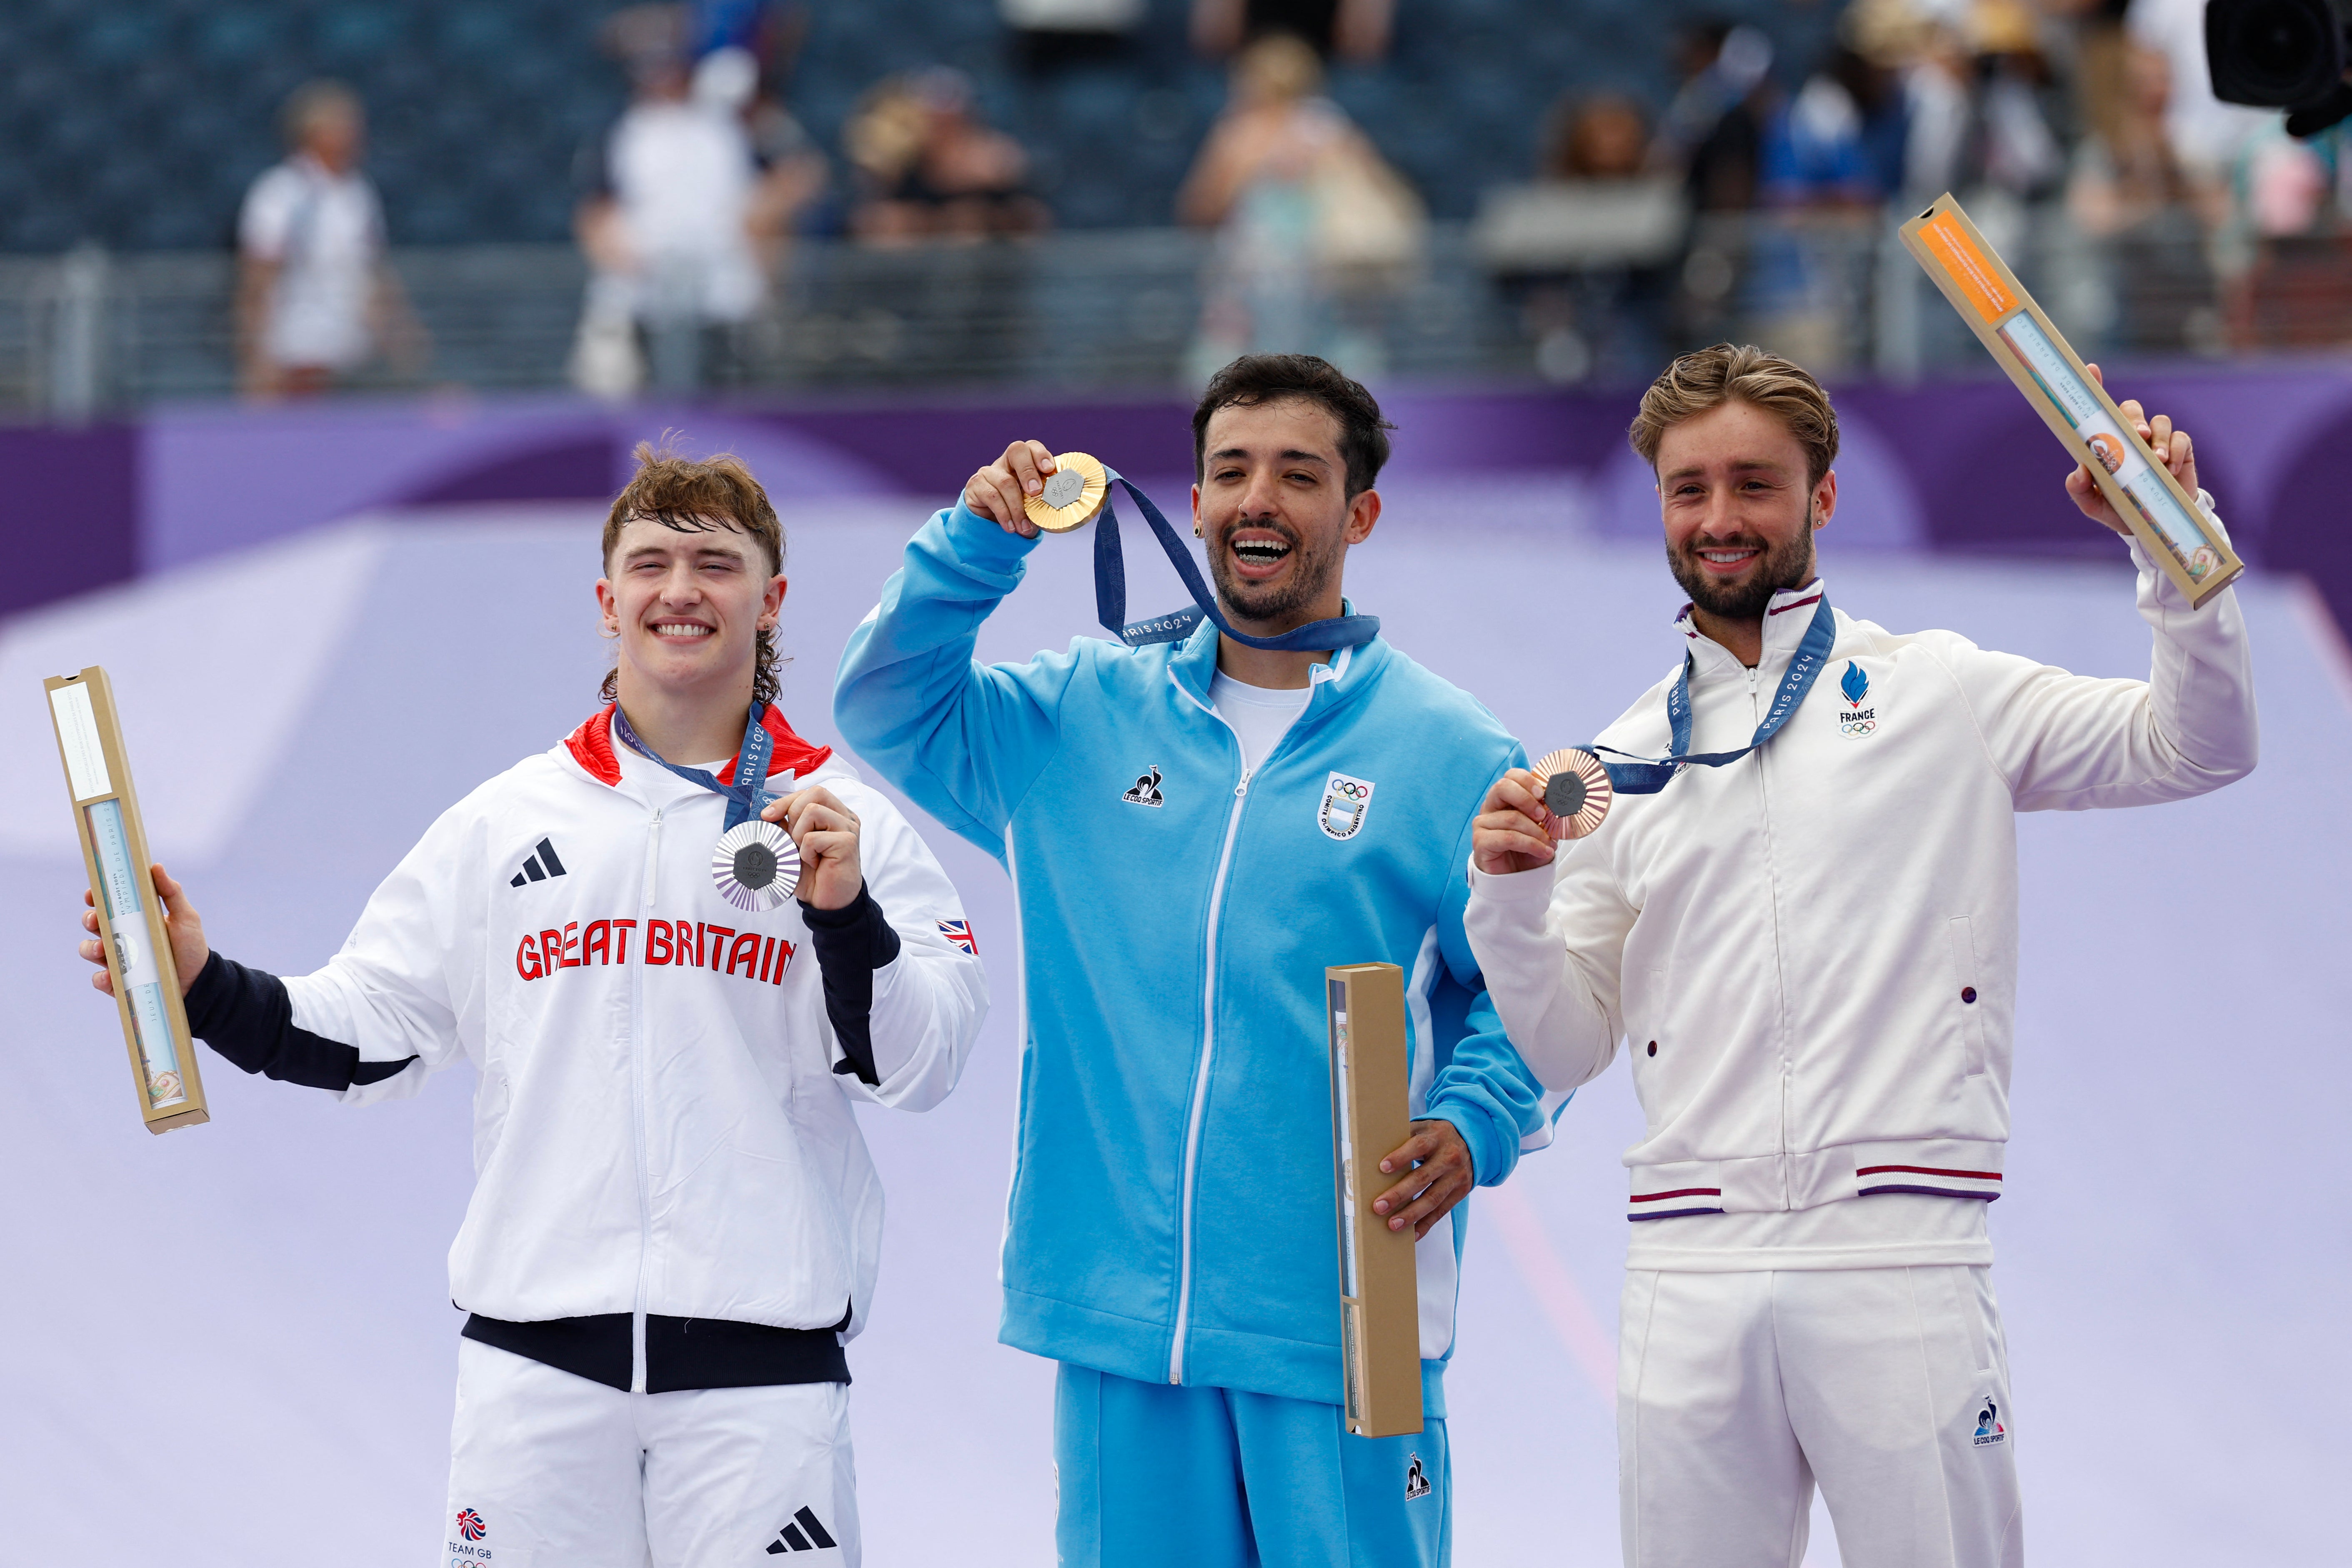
x=1255, y=379
x=694, y=497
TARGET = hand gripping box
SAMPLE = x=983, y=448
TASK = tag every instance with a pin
x=130, y=916
x=2163, y=515
x=1380, y=1307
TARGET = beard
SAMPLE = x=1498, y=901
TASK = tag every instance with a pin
x=1786, y=565
x=1310, y=574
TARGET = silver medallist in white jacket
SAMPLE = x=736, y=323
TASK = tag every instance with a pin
x=1812, y=952
x=658, y=1127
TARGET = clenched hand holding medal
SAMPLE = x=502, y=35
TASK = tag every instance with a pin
x=1030, y=492
x=757, y=864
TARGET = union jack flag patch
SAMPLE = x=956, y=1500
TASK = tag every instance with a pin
x=959, y=934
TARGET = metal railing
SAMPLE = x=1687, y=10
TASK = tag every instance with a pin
x=87, y=333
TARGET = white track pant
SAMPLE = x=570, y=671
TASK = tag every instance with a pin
x=557, y=1471
x=1736, y=1393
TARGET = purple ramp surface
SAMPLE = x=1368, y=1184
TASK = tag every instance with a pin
x=237, y=1340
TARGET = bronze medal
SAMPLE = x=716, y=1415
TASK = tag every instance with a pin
x=1576, y=792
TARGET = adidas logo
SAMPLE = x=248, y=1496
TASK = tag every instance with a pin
x=802, y=1534
x=540, y=866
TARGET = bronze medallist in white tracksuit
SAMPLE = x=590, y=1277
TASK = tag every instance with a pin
x=1812, y=954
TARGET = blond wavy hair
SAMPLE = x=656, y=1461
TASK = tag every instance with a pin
x=1709, y=378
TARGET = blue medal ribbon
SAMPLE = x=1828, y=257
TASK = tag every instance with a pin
x=1110, y=593
x=745, y=798
x=1645, y=776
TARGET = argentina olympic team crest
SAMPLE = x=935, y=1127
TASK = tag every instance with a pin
x=1856, y=719
x=1346, y=801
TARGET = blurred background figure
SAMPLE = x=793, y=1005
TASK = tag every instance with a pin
x=930, y=168
x=1355, y=30
x=1712, y=131
x=690, y=200
x=2022, y=112
x=2131, y=188
x=1315, y=230
x=1587, y=249
x=316, y=300
x=1712, y=135
x=1830, y=159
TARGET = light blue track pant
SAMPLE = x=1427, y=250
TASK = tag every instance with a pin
x=1150, y=1473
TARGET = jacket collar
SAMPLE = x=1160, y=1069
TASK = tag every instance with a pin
x=591, y=746
x=1786, y=619
x=1193, y=663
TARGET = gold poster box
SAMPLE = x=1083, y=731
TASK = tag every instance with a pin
x=129, y=915
x=2161, y=513
x=1380, y=1304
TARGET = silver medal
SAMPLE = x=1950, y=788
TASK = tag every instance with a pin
x=756, y=865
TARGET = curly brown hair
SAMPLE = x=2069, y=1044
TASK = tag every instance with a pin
x=1709, y=378
x=694, y=497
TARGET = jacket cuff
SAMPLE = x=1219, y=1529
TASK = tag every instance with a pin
x=207, y=993
x=1514, y=887
x=978, y=541
x=857, y=932
x=1493, y=1155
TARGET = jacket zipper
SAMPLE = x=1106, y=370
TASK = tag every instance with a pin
x=1194, y=1118
x=637, y=1116
x=1779, y=964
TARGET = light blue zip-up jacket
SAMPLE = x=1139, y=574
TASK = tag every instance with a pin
x=1172, y=1217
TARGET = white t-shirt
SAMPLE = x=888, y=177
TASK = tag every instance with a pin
x=325, y=232
x=1260, y=715
x=683, y=174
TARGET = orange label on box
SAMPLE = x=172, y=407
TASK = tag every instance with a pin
x=1975, y=272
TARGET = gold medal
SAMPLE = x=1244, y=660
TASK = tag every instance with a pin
x=1074, y=493
x=1576, y=792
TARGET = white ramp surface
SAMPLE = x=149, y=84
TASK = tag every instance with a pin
x=233, y=1344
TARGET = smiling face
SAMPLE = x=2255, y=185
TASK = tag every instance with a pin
x=1740, y=509
x=1274, y=509
x=687, y=608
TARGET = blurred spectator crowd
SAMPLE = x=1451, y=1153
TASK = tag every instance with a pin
x=1749, y=185
x=2167, y=222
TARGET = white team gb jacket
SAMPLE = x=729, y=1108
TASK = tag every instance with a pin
x=1812, y=952
x=657, y=1127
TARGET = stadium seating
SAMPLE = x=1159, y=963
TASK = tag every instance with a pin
x=138, y=123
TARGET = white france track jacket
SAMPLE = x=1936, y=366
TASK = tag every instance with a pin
x=662, y=1127
x=1812, y=952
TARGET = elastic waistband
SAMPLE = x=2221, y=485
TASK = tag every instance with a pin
x=1766, y=1183
x=681, y=1352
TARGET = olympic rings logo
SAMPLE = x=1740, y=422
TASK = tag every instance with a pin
x=1351, y=789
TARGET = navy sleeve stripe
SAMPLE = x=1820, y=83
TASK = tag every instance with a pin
x=247, y=1017
x=851, y=944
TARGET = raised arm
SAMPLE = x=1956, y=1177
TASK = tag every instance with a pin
x=2065, y=742
x=963, y=740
